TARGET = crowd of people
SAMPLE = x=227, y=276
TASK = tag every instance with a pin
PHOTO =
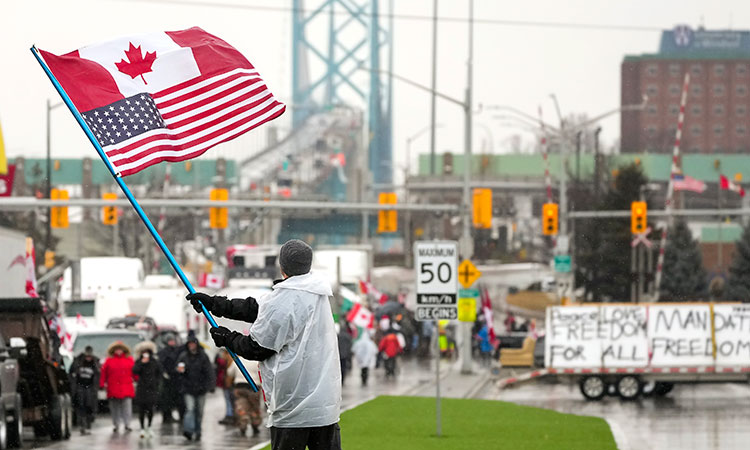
x=292, y=342
x=176, y=379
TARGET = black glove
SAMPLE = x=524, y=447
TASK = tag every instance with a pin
x=221, y=336
x=197, y=298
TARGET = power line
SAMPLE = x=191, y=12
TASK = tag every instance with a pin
x=417, y=17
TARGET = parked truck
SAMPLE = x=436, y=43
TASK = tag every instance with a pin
x=43, y=385
x=644, y=349
x=11, y=423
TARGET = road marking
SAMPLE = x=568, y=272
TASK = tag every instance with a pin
x=620, y=437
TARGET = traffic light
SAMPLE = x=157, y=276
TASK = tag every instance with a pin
x=387, y=219
x=638, y=217
x=550, y=219
x=59, y=214
x=109, y=213
x=482, y=208
x=219, y=217
x=49, y=259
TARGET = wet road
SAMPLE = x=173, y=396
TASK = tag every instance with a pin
x=412, y=376
x=691, y=417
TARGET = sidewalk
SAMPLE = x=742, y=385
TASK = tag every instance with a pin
x=416, y=378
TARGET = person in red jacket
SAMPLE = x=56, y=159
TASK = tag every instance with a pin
x=390, y=346
x=117, y=377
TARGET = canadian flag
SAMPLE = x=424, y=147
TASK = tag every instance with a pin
x=360, y=316
x=725, y=184
x=367, y=288
x=30, y=269
x=487, y=309
x=211, y=280
x=81, y=321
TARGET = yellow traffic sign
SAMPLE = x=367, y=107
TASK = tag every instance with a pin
x=468, y=273
x=467, y=309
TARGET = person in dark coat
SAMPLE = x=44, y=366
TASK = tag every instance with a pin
x=147, y=372
x=345, y=351
x=169, y=397
x=85, y=374
x=196, y=379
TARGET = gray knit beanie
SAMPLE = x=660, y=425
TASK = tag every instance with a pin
x=295, y=257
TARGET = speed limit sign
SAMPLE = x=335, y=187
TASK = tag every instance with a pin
x=435, y=266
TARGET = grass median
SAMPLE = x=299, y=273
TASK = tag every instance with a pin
x=408, y=423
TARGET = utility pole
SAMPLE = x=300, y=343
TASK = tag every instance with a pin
x=48, y=237
x=434, y=88
x=467, y=244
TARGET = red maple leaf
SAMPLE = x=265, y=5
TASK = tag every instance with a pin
x=136, y=65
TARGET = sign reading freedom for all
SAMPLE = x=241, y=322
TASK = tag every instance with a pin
x=647, y=335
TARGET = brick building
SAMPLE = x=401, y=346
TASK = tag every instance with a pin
x=717, y=114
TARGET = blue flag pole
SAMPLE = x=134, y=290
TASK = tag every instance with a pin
x=135, y=204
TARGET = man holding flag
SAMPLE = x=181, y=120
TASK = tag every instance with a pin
x=294, y=339
x=165, y=96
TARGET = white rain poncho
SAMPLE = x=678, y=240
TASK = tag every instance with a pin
x=302, y=382
x=365, y=351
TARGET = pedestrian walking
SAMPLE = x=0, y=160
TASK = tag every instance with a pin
x=390, y=347
x=294, y=339
x=169, y=396
x=148, y=373
x=196, y=379
x=221, y=364
x=85, y=374
x=485, y=344
x=365, y=352
x=345, y=351
x=117, y=377
x=246, y=402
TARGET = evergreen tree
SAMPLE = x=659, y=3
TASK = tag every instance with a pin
x=738, y=283
x=683, y=277
x=603, y=244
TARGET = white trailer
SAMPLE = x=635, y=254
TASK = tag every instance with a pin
x=646, y=348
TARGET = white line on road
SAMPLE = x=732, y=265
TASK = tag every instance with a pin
x=620, y=437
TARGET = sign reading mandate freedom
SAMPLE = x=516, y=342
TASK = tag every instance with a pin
x=436, y=263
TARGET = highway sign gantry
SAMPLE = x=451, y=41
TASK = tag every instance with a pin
x=436, y=265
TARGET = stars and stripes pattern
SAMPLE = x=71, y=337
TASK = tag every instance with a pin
x=688, y=183
x=183, y=121
x=123, y=119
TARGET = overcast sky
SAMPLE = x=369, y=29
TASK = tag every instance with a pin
x=516, y=65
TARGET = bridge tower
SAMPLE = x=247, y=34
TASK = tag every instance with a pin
x=346, y=69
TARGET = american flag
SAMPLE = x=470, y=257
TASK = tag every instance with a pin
x=687, y=183
x=177, y=95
